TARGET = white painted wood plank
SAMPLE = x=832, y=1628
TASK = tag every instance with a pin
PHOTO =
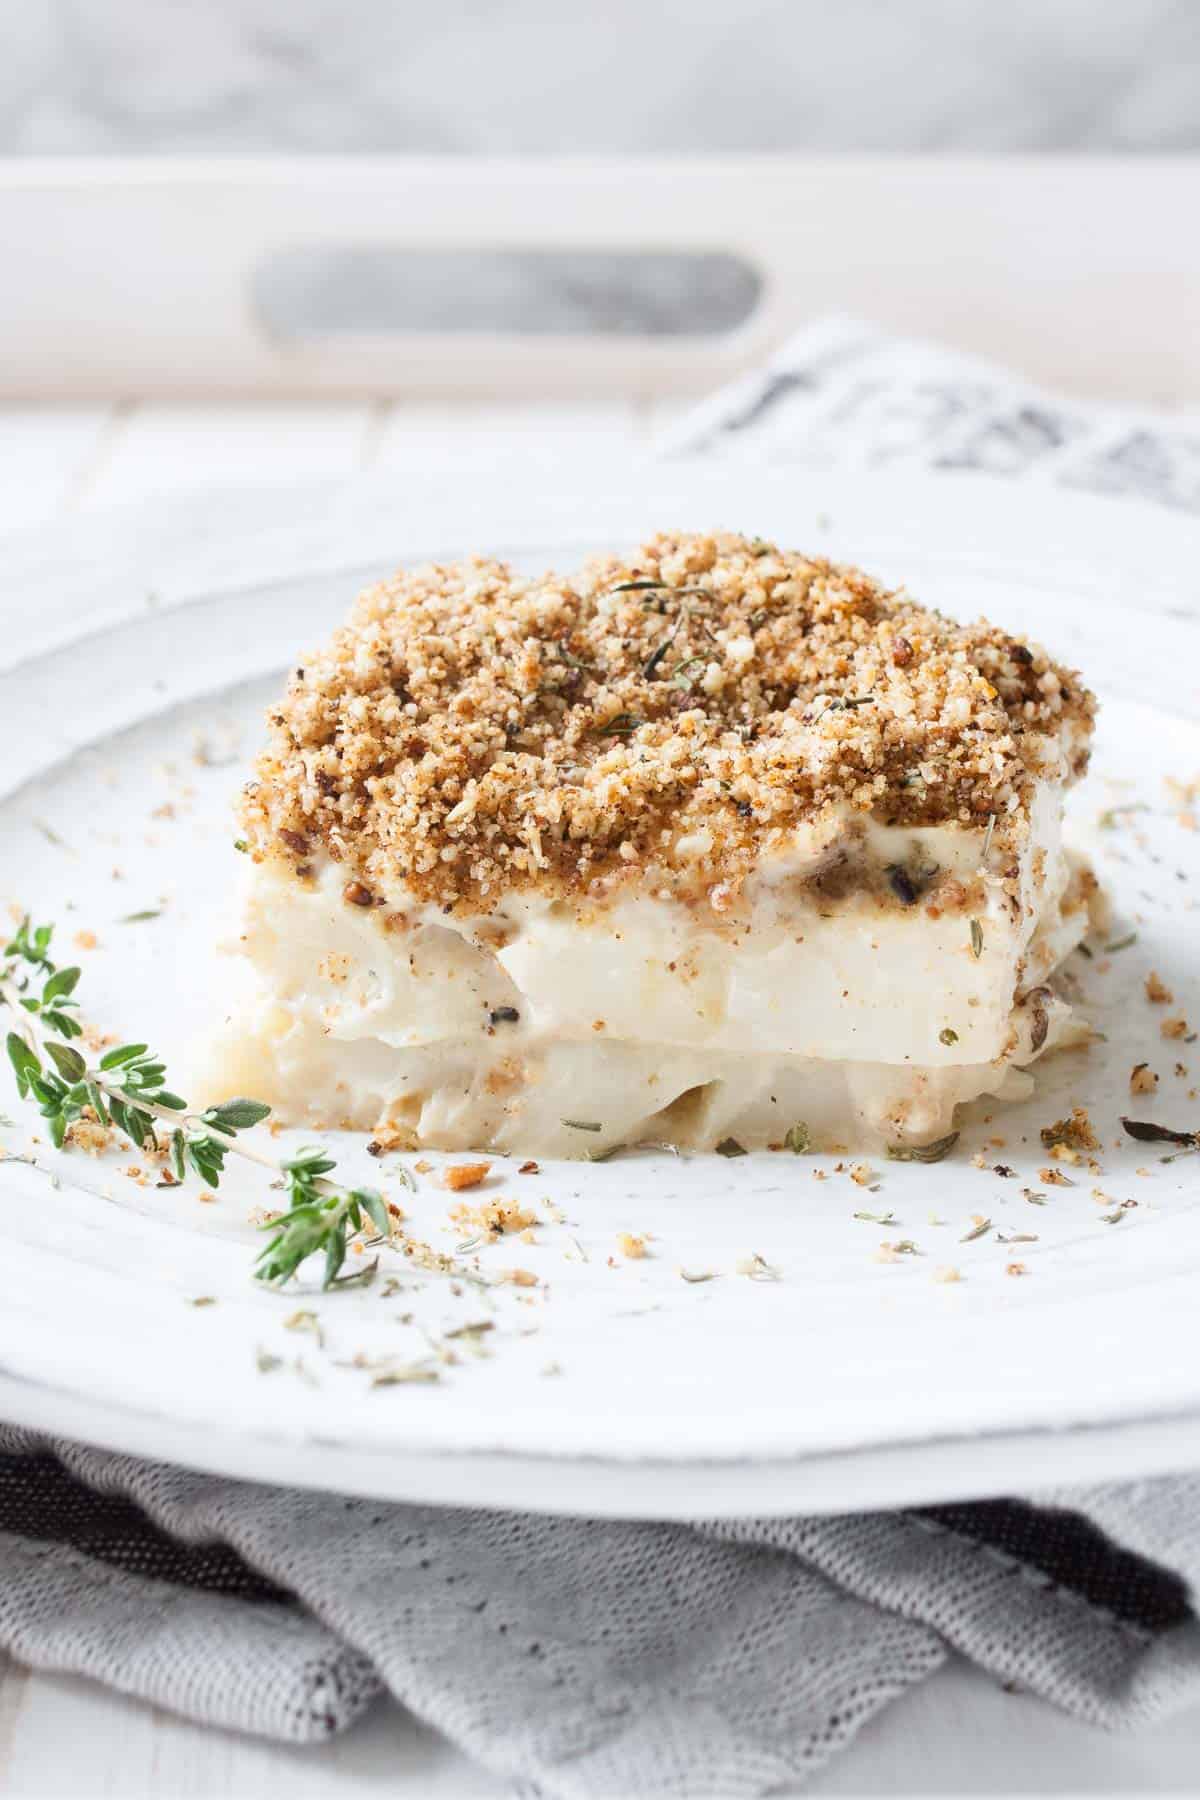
x=963, y=1734
x=71, y=1737
x=958, y=1734
x=483, y=436
x=179, y=449
x=45, y=452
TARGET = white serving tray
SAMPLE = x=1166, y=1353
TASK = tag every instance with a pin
x=149, y=276
x=847, y=1382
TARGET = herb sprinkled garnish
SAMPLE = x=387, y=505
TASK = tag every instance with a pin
x=730, y=1147
x=682, y=674
x=976, y=939
x=1121, y=943
x=947, y=1035
x=1147, y=1133
x=241, y=846
x=504, y=1015
x=660, y=587
x=583, y=1125
x=139, y=918
x=605, y=1155
x=843, y=703
x=656, y=655
x=573, y=662
x=870, y=1218
x=1108, y=818
x=978, y=1230
x=797, y=1138
x=404, y=1374
x=622, y=724
x=757, y=1268
x=923, y=1153
x=126, y=1088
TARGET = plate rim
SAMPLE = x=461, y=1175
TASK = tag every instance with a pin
x=646, y=1487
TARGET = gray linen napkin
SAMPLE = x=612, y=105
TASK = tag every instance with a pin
x=596, y=1658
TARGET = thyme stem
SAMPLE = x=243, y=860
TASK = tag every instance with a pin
x=125, y=1089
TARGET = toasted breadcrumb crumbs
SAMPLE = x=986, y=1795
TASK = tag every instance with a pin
x=1055, y=1178
x=947, y=1274
x=523, y=1278
x=629, y=1245
x=1075, y=1133
x=1157, y=993
x=862, y=1174
x=87, y=1133
x=494, y=1217
x=387, y=1136
x=1142, y=1079
x=86, y=940
x=472, y=730
x=1174, y=1028
x=1016, y=1268
x=464, y=1175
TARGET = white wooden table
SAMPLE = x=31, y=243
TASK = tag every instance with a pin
x=959, y=1733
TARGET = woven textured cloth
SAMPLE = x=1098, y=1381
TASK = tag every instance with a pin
x=584, y=1658
x=587, y=1658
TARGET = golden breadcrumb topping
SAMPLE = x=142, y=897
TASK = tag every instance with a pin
x=670, y=718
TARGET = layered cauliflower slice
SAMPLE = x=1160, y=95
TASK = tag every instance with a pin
x=705, y=846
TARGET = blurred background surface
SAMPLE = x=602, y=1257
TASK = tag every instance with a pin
x=541, y=76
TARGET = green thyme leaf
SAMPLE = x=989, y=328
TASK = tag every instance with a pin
x=67, y=1061
x=25, y=1063
x=60, y=984
x=797, y=1138
x=235, y=1115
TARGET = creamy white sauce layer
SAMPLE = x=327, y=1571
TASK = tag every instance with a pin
x=652, y=1018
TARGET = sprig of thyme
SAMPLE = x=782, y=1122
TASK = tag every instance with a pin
x=126, y=1088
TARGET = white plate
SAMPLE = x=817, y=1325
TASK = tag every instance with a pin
x=846, y=1382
